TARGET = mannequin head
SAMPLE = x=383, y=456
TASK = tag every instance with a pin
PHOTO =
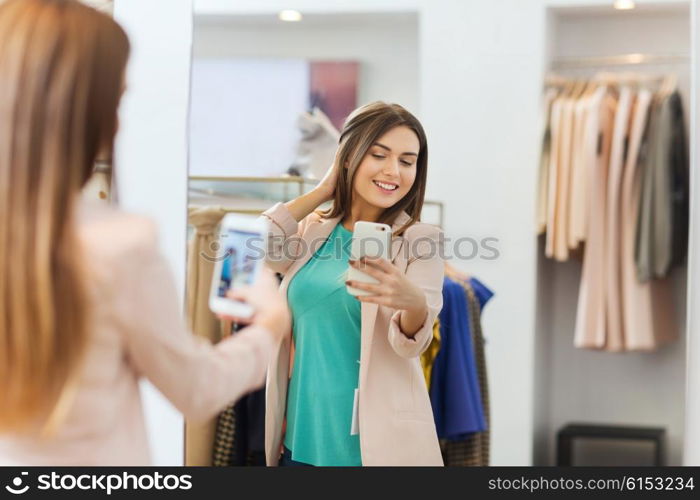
x=62, y=65
x=381, y=143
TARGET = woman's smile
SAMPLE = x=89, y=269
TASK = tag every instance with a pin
x=386, y=187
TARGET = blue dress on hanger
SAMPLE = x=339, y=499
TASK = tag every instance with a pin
x=454, y=388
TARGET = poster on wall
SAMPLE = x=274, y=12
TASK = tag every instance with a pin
x=333, y=89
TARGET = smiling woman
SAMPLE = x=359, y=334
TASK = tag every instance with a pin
x=381, y=143
x=350, y=353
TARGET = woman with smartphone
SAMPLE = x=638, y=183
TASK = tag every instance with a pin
x=345, y=386
x=88, y=305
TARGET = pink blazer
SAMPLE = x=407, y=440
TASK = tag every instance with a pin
x=395, y=416
x=615, y=334
x=136, y=331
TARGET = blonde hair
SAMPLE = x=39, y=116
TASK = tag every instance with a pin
x=362, y=129
x=61, y=77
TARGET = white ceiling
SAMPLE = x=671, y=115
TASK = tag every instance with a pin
x=327, y=20
x=641, y=9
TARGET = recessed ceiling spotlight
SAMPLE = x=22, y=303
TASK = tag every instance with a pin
x=290, y=16
x=624, y=4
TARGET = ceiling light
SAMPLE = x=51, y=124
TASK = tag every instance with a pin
x=291, y=16
x=624, y=4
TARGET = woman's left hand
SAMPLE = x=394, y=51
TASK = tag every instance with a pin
x=394, y=288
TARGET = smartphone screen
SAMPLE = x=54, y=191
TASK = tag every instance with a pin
x=238, y=266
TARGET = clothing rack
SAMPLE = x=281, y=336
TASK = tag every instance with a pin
x=619, y=60
x=598, y=147
x=292, y=179
x=235, y=178
x=287, y=179
x=253, y=211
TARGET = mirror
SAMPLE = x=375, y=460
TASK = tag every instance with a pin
x=269, y=99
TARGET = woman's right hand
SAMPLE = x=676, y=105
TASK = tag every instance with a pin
x=324, y=191
x=271, y=310
x=327, y=185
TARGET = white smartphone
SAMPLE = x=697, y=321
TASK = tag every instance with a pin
x=240, y=256
x=369, y=239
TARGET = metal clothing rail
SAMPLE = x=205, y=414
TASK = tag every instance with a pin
x=287, y=179
x=619, y=60
x=300, y=181
x=256, y=211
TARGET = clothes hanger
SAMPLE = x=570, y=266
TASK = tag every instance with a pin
x=669, y=85
x=568, y=87
x=581, y=91
x=557, y=85
x=553, y=80
x=453, y=273
x=589, y=89
x=575, y=89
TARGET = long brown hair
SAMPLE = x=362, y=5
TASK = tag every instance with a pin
x=61, y=78
x=362, y=129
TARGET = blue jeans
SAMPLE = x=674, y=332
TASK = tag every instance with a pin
x=286, y=460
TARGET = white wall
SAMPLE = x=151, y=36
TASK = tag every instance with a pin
x=386, y=45
x=151, y=157
x=481, y=65
x=239, y=109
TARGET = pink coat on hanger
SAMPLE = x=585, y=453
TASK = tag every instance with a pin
x=615, y=335
x=591, y=311
x=648, y=310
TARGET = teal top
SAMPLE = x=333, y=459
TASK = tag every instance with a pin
x=326, y=331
